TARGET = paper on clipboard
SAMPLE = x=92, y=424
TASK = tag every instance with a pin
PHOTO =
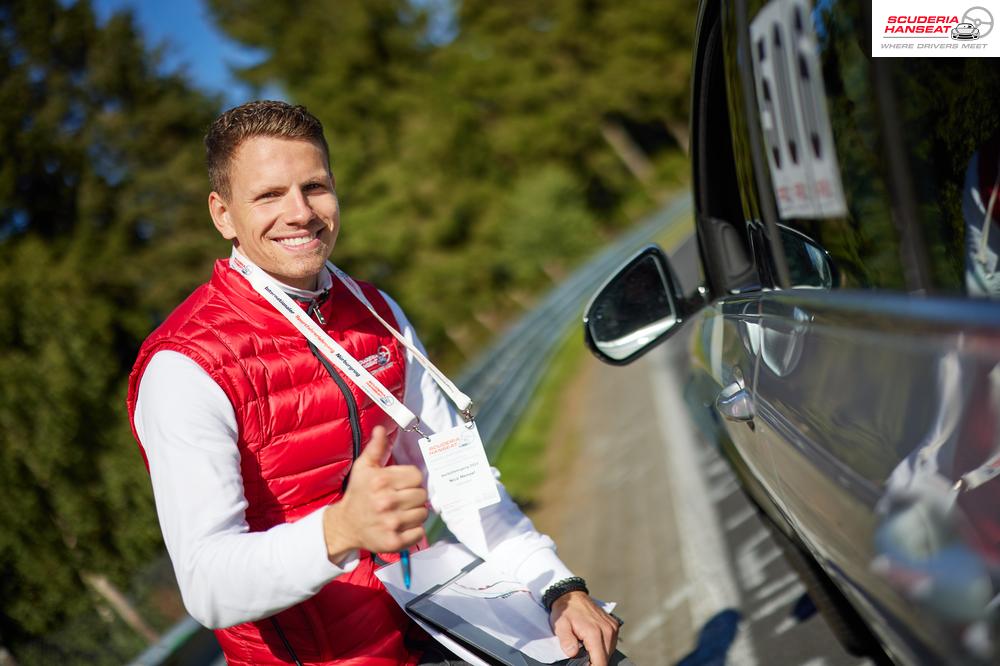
x=428, y=568
x=482, y=597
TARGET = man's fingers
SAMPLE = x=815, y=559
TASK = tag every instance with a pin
x=593, y=640
x=403, y=477
x=376, y=452
x=411, y=498
x=567, y=639
x=575, y=618
x=607, y=629
x=411, y=537
x=411, y=518
x=611, y=640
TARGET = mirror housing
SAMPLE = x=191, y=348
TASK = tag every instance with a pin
x=637, y=308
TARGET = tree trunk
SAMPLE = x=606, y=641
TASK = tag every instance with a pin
x=681, y=133
x=628, y=151
x=121, y=605
x=632, y=155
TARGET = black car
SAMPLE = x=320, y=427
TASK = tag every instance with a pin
x=845, y=343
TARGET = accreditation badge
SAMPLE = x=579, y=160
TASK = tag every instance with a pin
x=459, y=473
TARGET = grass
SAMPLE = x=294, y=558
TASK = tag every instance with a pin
x=672, y=236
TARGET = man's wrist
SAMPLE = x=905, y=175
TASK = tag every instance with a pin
x=338, y=547
x=562, y=587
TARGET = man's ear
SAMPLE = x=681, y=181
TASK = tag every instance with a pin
x=219, y=210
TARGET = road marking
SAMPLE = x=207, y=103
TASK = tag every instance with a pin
x=738, y=519
x=723, y=488
x=654, y=621
x=787, y=624
x=703, y=549
x=783, y=600
x=818, y=661
x=751, y=563
x=718, y=467
x=773, y=587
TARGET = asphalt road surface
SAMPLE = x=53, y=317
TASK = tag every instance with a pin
x=644, y=508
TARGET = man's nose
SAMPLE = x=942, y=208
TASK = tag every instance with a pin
x=297, y=206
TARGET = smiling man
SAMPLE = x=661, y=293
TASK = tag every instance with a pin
x=280, y=486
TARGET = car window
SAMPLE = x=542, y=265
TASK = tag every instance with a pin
x=950, y=114
x=812, y=59
x=947, y=113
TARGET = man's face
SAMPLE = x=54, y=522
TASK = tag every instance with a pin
x=282, y=208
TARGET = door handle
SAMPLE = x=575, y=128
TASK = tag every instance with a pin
x=734, y=403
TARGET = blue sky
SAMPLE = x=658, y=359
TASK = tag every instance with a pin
x=191, y=43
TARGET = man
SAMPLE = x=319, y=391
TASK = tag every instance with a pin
x=274, y=514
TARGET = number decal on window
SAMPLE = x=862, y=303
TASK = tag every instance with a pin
x=793, y=114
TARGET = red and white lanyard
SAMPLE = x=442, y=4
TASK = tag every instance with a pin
x=271, y=290
x=459, y=399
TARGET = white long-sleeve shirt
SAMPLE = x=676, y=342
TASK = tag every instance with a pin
x=227, y=574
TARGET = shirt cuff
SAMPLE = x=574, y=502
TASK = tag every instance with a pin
x=541, y=570
x=309, y=557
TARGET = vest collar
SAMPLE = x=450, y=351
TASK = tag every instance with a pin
x=305, y=296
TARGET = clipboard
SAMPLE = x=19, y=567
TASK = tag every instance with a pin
x=482, y=644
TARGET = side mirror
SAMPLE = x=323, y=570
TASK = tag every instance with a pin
x=638, y=307
x=809, y=265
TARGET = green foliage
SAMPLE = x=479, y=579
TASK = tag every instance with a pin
x=100, y=182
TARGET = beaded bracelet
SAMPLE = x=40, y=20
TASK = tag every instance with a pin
x=560, y=588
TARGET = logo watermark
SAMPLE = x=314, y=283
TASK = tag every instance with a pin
x=934, y=29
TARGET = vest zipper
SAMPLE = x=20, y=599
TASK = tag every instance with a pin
x=352, y=415
x=352, y=405
x=352, y=409
x=284, y=639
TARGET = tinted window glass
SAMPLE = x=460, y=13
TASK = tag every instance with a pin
x=950, y=115
x=945, y=116
x=861, y=237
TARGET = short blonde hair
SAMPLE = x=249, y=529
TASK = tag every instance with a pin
x=258, y=118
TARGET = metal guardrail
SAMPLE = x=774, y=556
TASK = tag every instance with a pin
x=501, y=381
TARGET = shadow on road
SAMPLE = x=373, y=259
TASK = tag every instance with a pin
x=714, y=640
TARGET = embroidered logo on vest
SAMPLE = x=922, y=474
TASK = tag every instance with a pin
x=379, y=360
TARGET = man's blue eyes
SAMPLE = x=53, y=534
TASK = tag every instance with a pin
x=310, y=187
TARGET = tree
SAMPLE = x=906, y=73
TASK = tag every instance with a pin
x=99, y=186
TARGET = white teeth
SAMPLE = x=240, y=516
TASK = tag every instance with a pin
x=302, y=240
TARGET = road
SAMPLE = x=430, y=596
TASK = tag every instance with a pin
x=648, y=512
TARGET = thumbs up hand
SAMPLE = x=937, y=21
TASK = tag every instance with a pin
x=383, y=509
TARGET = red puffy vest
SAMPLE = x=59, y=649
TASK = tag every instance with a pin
x=295, y=443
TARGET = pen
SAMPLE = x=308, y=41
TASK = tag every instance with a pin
x=405, y=559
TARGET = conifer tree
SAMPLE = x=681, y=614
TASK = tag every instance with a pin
x=100, y=188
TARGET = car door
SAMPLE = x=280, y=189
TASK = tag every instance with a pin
x=724, y=329
x=720, y=392
x=877, y=394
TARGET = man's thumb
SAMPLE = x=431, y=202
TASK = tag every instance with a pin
x=377, y=450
